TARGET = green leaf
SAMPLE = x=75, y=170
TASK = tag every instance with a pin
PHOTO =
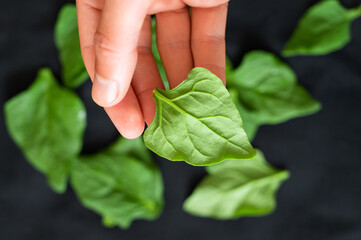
x=268, y=90
x=236, y=188
x=67, y=42
x=324, y=28
x=197, y=122
x=121, y=183
x=156, y=55
x=250, y=124
x=47, y=122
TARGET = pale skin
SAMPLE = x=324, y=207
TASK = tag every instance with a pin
x=115, y=39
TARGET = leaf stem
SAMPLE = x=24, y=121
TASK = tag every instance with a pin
x=354, y=13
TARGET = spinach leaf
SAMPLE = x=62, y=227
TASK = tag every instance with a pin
x=250, y=124
x=268, y=90
x=121, y=183
x=67, y=42
x=47, y=122
x=157, y=58
x=197, y=122
x=236, y=188
x=324, y=28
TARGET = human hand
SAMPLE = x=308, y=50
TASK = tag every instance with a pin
x=115, y=39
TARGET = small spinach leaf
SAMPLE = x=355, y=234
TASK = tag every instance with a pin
x=67, y=42
x=47, y=122
x=236, y=188
x=197, y=122
x=324, y=28
x=268, y=89
x=121, y=183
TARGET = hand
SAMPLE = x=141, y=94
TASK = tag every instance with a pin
x=115, y=39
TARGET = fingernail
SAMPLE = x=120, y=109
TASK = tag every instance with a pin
x=104, y=91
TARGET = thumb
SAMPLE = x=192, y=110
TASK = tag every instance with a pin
x=115, y=45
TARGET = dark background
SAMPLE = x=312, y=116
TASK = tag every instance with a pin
x=321, y=200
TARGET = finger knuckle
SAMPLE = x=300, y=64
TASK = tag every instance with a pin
x=86, y=49
x=214, y=39
x=104, y=45
x=179, y=44
x=144, y=50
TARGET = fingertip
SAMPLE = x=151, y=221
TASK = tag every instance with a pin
x=133, y=133
x=127, y=116
x=131, y=127
x=148, y=105
x=149, y=110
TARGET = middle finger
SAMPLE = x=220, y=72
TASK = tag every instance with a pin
x=173, y=40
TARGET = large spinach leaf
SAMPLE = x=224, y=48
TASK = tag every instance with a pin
x=47, y=122
x=121, y=183
x=197, y=122
x=67, y=42
x=236, y=188
x=324, y=28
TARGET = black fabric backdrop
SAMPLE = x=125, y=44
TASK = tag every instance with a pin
x=321, y=200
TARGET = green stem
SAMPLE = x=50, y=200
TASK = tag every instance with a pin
x=354, y=13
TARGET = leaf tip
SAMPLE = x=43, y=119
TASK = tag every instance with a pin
x=108, y=222
x=286, y=52
x=57, y=187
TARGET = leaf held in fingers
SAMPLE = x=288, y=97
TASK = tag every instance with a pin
x=68, y=44
x=236, y=188
x=47, y=122
x=197, y=122
x=324, y=28
x=121, y=183
x=268, y=90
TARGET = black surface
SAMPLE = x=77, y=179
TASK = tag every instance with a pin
x=323, y=152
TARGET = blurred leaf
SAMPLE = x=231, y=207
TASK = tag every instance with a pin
x=47, y=122
x=121, y=183
x=236, y=188
x=197, y=122
x=67, y=42
x=324, y=28
x=268, y=90
x=156, y=55
x=250, y=124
